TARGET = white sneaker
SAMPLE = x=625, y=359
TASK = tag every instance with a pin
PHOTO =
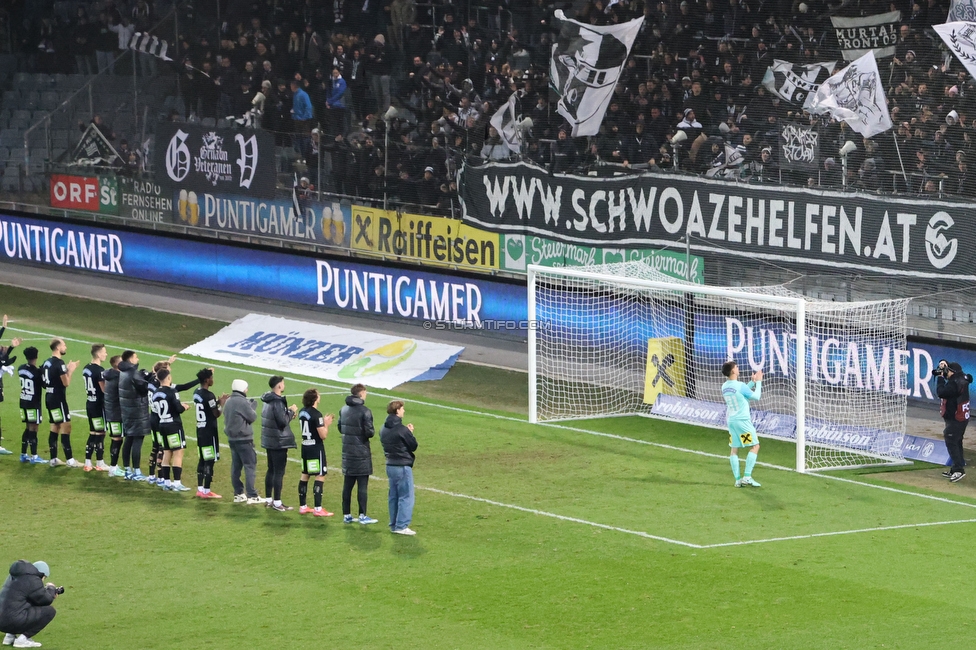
x=23, y=642
x=55, y=462
x=405, y=531
x=240, y=498
x=73, y=463
x=9, y=639
x=256, y=501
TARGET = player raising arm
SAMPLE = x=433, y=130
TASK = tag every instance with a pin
x=742, y=432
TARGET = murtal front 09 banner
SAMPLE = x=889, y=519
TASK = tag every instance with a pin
x=922, y=238
x=219, y=161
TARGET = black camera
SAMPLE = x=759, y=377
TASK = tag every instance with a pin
x=59, y=590
x=940, y=372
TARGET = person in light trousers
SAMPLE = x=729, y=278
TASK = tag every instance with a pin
x=399, y=445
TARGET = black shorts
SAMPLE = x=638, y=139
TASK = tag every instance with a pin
x=172, y=441
x=206, y=445
x=30, y=416
x=313, y=462
x=96, y=418
x=59, y=413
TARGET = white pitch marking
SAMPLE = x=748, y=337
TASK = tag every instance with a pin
x=839, y=532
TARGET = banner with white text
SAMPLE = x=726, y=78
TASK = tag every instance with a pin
x=920, y=238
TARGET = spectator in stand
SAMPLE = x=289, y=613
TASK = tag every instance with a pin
x=301, y=115
x=336, y=105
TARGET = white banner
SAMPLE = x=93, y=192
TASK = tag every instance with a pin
x=961, y=10
x=855, y=95
x=586, y=63
x=505, y=121
x=961, y=39
x=327, y=352
x=858, y=36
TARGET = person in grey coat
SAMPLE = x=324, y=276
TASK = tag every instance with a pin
x=239, y=416
x=276, y=438
x=356, y=427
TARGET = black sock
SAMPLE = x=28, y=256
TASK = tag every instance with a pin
x=302, y=493
x=33, y=443
x=89, y=446
x=52, y=443
x=317, y=492
x=159, y=458
x=152, y=460
x=164, y=473
x=208, y=469
x=201, y=472
x=100, y=448
x=66, y=444
x=177, y=473
x=25, y=441
x=114, y=450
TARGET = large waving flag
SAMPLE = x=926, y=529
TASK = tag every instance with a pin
x=586, y=63
x=504, y=121
x=961, y=39
x=855, y=95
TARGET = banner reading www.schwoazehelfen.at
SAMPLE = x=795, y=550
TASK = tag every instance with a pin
x=924, y=238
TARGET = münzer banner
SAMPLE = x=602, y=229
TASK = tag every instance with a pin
x=878, y=234
x=220, y=161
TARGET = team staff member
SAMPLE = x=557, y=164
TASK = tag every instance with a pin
x=113, y=414
x=276, y=438
x=207, y=407
x=93, y=375
x=356, y=427
x=56, y=376
x=134, y=406
x=30, y=405
x=168, y=408
x=952, y=387
x=315, y=428
x=399, y=444
x=239, y=417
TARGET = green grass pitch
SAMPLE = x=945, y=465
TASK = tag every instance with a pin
x=528, y=536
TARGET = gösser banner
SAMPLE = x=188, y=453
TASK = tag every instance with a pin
x=222, y=161
x=904, y=237
x=326, y=351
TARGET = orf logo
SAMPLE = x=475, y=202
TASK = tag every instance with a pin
x=248, y=162
x=940, y=249
x=178, y=157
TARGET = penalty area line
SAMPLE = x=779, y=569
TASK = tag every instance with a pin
x=837, y=532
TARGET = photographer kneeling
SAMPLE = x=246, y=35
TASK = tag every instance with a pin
x=25, y=603
x=953, y=389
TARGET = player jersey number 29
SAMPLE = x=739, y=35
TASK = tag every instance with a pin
x=27, y=389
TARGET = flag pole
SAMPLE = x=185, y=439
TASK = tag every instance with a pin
x=901, y=162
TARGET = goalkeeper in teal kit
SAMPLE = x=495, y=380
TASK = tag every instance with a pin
x=742, y=432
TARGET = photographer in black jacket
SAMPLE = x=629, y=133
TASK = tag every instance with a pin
x=952, y=387
x=25, y=603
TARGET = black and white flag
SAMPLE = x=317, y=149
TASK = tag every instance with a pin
x=857, y=36
x=585, y=66
x=799, y=146
x=961, y=39
x=795, y=83
x=148, y=44
x=961, y=10
x=505, y=122
x=94, y=150
x=855, y=95
x=296, y=204
x=732, y=158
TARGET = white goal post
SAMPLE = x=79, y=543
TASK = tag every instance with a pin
x=624, y=339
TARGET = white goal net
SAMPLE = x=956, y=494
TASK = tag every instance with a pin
x=624, y=339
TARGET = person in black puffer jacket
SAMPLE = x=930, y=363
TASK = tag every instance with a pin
x=113, y=414
x=276, y=438
x=356, y=427
x=25, y=603
x=398, y=446
x=134, y=407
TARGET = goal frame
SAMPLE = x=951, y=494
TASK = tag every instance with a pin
x=533, y=270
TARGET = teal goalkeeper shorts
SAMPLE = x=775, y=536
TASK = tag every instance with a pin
x=742, y=433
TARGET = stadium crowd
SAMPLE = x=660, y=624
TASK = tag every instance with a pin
x=127, y=404
x=323, y=76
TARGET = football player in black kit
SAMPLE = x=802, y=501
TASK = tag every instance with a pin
x=56, y=376
x=207, y=407
x=6, y=359
x=156, y=457
x=93, y=375
x=167, y=407
x=315, y=428
x=30, y=405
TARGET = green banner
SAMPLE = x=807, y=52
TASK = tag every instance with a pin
x=518, y=251
x=108, y=195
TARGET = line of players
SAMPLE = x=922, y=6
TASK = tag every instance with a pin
x=105, y=418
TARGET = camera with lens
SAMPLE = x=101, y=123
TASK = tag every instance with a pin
x=59, y=590
x=940, y=372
